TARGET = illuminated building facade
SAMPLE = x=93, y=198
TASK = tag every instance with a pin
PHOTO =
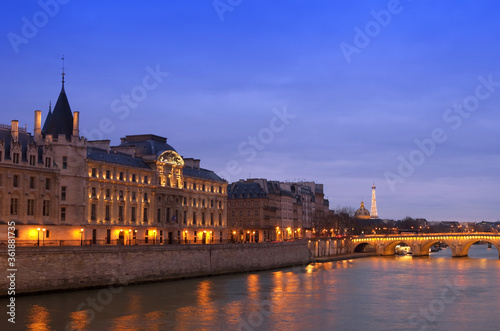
x=61, y=189
x=260, y=210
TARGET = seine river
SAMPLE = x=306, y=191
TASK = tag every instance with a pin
x=374, y=293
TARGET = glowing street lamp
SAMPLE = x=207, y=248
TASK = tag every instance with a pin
x=81, y=237
x=154, y=242
x=38, y=229
x=43, y=237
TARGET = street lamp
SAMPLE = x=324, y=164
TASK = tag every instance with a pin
x=81, y=237
x=129, y=235
x=38, y=229
x=154, y=242
x=43, y=237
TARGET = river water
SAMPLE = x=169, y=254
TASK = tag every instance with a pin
x=375, y=293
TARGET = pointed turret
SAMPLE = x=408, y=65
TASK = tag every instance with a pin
x=61, y=119
x=47, y=119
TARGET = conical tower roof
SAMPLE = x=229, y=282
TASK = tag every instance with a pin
x=61, y=120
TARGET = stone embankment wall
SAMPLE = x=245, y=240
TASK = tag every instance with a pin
x=41, y=269
x=327, y=247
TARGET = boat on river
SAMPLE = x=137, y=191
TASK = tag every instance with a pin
x=402, y=250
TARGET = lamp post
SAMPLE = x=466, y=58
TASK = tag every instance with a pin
x=135, y=237
x=38, y=243
x=129, y=236
x=81, y=237
x=154, y=241
x=43, y=237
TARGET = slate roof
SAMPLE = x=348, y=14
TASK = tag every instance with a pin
x=201, y=173
x=101, y=155
x=24, y=138
x=242, y=190
x=61, y=119
x=147, y=144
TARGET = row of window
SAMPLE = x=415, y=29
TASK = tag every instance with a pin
x=16, y=182
x=133, y=215
x=203, y=220
x=243, y=204
x=203, y=188
x=30, y=210
x=107, y=213
x=256, y=213
x=195, y=203
x=16, y=158
x=121, y=176
x=121, y=196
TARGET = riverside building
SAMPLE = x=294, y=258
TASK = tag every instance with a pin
x=61, y=189
x=261, y=210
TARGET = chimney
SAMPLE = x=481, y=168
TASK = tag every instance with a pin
x=14, y=130
x=76, y=123
x=38, y=125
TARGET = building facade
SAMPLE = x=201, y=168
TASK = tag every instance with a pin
x=262, y=210
x=61, y=189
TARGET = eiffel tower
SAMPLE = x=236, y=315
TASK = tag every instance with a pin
x=373, y=212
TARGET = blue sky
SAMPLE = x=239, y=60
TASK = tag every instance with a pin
x=286, y=90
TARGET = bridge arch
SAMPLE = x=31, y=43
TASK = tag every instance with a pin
x=466, y=246
x=390, y=248
x=426, y=246
x=364, y=247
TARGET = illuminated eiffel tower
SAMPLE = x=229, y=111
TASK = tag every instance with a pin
x=373, y=212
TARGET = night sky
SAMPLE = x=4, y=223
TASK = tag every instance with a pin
x=346, y=93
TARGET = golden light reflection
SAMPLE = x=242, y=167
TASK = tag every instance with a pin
x=206, y=310
x=38, y=319
x=203, y=292
x=127, y=322
x=79, y=320
x=153, y=321
x=253, y=283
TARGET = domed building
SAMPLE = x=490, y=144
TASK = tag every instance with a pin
x=362, y=212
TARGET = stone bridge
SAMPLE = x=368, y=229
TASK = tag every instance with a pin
x=420, y=244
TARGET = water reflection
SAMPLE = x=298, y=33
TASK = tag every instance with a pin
x=377, y=293
x=39, y=319
x=79, y=320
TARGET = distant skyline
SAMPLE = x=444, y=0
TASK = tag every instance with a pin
x=401, y=93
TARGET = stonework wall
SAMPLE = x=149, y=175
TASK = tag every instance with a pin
x=59, y=268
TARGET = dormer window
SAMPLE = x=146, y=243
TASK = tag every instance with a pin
x=15, y=158
x=48, y=162
x=32, y=160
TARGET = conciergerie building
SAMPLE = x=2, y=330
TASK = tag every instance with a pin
x=61, y=189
